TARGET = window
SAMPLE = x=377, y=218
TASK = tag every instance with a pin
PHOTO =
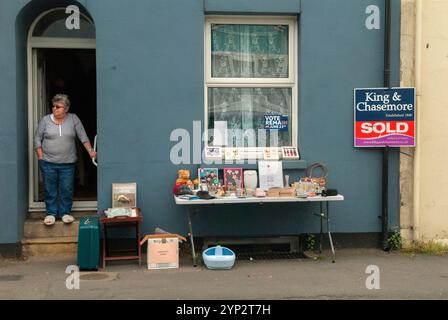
x=250, y=83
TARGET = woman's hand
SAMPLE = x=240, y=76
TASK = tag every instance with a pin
x=92, y=153
x=90, y=150
x=39, y=153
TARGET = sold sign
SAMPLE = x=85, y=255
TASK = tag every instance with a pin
x=384, y=117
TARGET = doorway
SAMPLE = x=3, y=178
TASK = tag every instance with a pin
x=62, y=60
x=71, y=72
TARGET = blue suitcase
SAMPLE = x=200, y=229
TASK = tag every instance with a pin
x=89, y=243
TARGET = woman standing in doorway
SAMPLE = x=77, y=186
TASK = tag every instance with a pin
x=54, y=143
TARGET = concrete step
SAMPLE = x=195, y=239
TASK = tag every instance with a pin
x=50, y=246
x=35, y=228
x=61, y=238
x=76, y=214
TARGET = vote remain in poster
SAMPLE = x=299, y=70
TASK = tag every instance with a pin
x=384, y=117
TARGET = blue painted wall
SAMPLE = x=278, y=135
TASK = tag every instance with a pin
x=150, y=81
x=15, y=20
x=13, y=122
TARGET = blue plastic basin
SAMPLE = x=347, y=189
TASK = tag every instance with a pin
x=218, y=258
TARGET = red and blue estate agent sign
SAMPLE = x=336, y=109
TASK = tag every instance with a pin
x=384, y=117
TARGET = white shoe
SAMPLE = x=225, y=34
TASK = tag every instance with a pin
x=49, y=220
x=67, y=219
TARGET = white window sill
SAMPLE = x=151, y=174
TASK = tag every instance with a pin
x=286, y=164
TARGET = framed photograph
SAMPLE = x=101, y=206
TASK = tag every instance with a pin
x=271, y=174
x=124, y=195
x=213, y=152
x=270, y=153
x=232, y=154
x=209, y=176
x=233, y=178
x=290, y=153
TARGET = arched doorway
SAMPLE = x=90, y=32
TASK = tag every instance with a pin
x=62, y=60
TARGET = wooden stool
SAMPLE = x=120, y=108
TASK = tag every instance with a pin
x=122, y=222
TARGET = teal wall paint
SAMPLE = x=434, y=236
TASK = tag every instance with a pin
x=15, y=20
x=252, y=6
x=12, y=195
x=150, y=66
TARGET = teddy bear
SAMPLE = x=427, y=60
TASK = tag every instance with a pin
x=196, y=183
x=184, y=178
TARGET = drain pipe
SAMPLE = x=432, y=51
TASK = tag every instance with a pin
x=418, y=88
x=385, y=166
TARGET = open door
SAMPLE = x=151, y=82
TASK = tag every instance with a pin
x=40, y=94
x=62, y=61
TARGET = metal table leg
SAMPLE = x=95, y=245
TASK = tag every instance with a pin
x=139, y=248
x=325, y=215
x=190, y=217
x=329, y=233
x=104, y=244
x=321, y=214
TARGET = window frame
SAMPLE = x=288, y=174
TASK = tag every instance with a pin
x=290, y=82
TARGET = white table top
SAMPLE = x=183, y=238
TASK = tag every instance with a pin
x=230, y=200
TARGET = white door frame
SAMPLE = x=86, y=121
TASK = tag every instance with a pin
x=34, y=43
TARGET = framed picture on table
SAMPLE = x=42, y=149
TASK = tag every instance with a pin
x=271, y=174
x=124, y=195
x=209, y=176
x=233, y=178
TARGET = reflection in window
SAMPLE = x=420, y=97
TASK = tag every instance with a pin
x=249, y=51
x=244, y=111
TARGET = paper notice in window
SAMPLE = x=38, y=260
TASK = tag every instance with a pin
x=220, y=133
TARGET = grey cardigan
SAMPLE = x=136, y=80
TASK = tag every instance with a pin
x=58, y=141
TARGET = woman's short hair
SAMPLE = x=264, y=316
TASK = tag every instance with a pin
x=61, y=98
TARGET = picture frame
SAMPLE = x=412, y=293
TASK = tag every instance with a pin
x=232, y=154
x=209, y=176
x=270, y=174
x=290, y=153
x=213, y=152
x=271, y=153
x=233, y=179
x=124, y=195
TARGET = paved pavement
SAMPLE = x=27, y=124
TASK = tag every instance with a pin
x=398, y=276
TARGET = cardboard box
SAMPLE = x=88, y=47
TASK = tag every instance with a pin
x=287, y=192
x=273, y=192
x=163, y=251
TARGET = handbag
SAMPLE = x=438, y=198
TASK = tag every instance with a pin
x=321, y=181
